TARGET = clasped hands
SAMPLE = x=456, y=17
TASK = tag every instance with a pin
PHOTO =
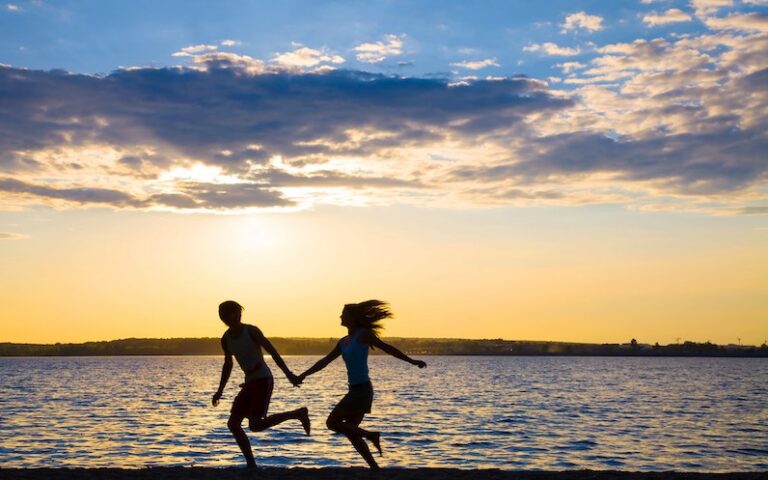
x=296, y=380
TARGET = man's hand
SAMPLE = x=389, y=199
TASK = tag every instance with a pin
x=216, y=398
x=419, y=363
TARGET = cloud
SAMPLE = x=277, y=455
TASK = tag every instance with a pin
x=82, y=195
x=193, y=50
x=683, y=117
x=231, y=61
x=624, y=60
x=304, y=57
x=677, y=122
x=222, y=197
x=747, y=22
x=12, y=236
x=379, y=51
x=230, y=43
x=569, y=67
x=705, y=8
x=550, y=48
x=689, y=164
x=754, y=210
x=262, y=136
x=477, y=64
x=580, y=20
x=673, y=15
x=190, y=195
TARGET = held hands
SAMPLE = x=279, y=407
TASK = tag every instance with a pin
x=294, y=379
x=299, y=379
x=419, y=363
x=216, y=398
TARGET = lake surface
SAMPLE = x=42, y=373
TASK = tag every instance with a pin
x=695, y=414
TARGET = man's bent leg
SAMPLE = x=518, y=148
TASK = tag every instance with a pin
x=260, y=424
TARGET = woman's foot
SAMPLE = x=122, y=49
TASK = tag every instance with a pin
x=304, y=418
x=375, y=439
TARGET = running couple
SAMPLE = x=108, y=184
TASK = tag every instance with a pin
x=363, y=322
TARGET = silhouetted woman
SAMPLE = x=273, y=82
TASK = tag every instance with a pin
x=363, y=322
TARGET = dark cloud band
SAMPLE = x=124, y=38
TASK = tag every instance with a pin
x=226, y=117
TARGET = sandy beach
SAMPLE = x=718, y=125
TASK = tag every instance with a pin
x=174, y=473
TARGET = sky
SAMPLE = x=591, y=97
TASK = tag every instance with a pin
x=586, y=171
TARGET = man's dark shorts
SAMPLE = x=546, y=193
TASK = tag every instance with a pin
x=253, y=399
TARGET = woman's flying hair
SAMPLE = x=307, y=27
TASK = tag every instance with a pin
x=369, y=314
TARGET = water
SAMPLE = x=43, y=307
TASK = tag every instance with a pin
x=694, y=414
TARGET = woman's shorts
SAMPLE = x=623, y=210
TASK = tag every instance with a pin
x=359, y=399
x=253, y=399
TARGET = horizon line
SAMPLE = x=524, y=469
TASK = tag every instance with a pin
x=497, y=339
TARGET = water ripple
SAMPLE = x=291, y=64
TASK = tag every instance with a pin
x=532, y=413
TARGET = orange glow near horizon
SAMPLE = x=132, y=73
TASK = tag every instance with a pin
x=539, y=274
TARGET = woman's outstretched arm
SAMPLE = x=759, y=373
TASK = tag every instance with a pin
x=322, y=363
x=371, y=339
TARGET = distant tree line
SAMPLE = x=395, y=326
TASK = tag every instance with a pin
x=413, y=346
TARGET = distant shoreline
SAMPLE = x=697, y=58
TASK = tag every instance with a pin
x=413, y=346
x=618, y=355
x=202, y=473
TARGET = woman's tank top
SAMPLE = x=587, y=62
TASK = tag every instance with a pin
x=355, y=356
x=247, y=353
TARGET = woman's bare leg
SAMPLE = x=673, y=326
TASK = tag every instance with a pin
x=348, y=424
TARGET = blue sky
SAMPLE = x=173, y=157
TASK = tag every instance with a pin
x=98, y=37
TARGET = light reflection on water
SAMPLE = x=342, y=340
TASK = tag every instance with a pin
x=707, y=414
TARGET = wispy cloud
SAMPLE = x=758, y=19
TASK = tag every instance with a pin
x=12, y=7
x=83, y=195
x=193, y=50
x=377, y=52
x=746, y=22
x=705, y=8
x=12, y=236
x=754, y=210
x=304, y=57
x=228, y=60
x=550, y=48
x=582, y=21
x=569, y=67
x=673, y=15
x=476, y=64
x=230, y=43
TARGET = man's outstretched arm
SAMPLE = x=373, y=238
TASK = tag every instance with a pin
x=264, y=342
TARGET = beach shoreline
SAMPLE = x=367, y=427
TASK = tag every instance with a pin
x=336, y=473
